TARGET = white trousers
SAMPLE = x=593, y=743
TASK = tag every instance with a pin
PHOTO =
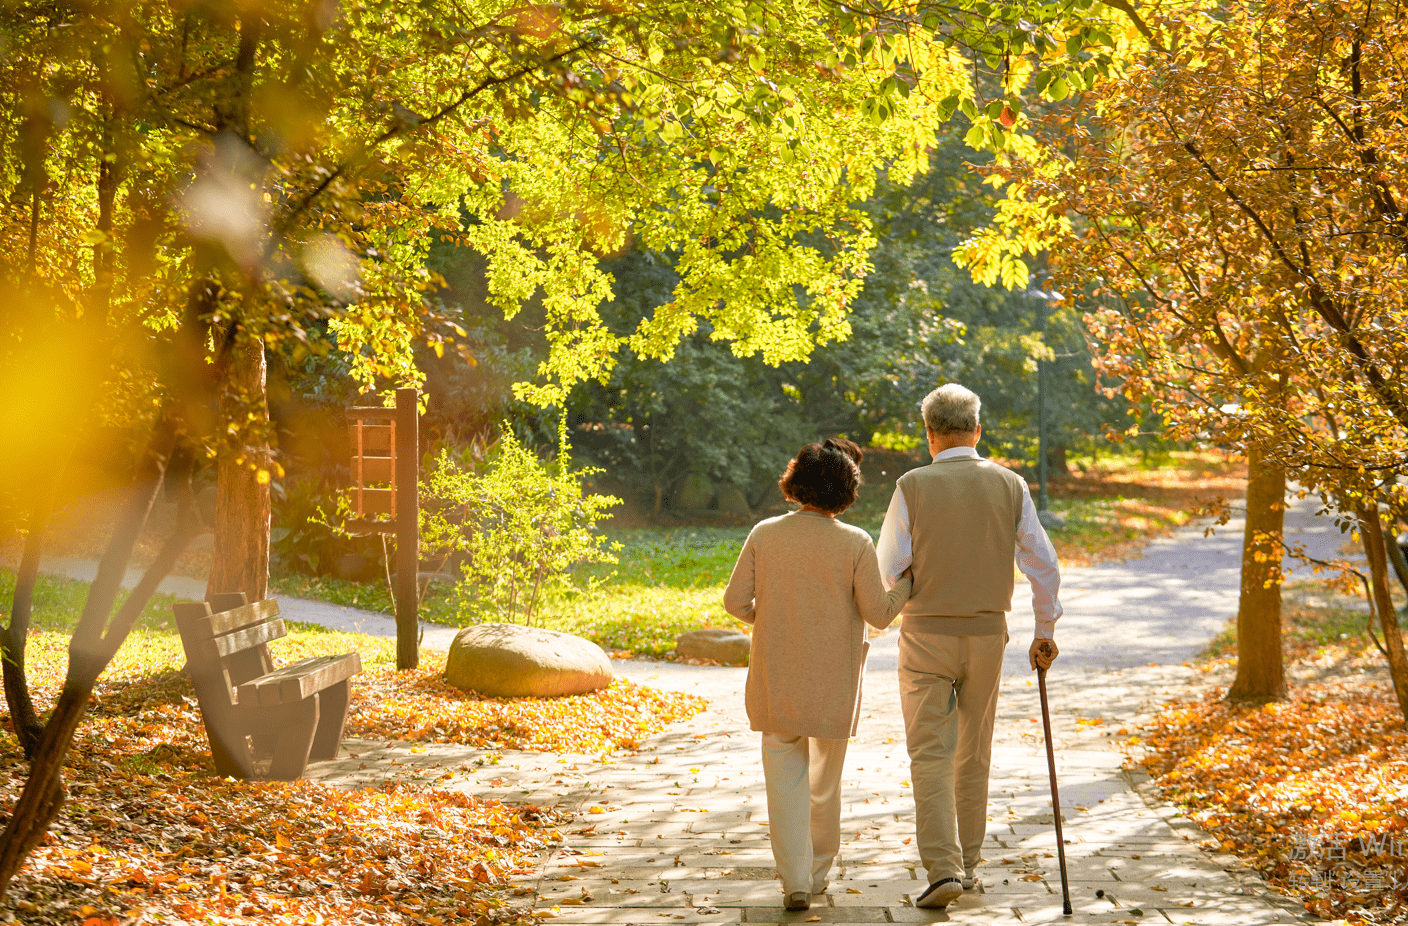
x=803, y=778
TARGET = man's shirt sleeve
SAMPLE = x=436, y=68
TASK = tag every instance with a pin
x=1036, y=557
x=896, y=548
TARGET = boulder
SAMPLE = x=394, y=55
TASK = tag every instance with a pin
x=695, y=492
x=1051, y=520
x=510, y=661
x=726, y=646
x=732, y=501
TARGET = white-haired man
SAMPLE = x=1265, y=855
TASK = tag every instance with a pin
x=959, y=522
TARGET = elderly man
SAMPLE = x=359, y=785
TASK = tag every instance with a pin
x=959, y=522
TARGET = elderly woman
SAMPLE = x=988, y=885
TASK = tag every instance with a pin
x=806, y=582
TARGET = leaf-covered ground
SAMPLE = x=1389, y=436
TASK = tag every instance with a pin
x=419, y=706
x=150, y=834
x=1312, y=792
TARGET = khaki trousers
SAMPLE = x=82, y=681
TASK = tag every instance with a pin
x=803, y=778
x=948, y=692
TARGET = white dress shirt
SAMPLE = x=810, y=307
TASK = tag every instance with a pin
x=1036, y=557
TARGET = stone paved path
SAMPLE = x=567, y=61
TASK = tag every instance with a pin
x=677, y=833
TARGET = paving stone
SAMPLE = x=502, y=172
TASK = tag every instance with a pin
x=871, y=873
x=751, y=893
x=888, y=894
x=641, y=916
x=823, y=914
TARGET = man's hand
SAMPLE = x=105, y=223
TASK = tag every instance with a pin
x=1043, y=653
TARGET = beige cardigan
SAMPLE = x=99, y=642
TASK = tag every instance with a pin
x=806, y=582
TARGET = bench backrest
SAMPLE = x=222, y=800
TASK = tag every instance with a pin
x=227, y=644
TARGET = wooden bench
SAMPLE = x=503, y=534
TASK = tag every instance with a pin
x=253, y=712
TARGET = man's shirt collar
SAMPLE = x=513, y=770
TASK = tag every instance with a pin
x=954, y=453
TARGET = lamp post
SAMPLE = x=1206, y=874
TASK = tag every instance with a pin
x=1042, y=298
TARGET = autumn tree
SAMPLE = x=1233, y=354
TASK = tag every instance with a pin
x=1233, y=198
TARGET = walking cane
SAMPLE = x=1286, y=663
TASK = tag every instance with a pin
x=1055, y=797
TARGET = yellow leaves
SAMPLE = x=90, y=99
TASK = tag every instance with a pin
x=420, y=706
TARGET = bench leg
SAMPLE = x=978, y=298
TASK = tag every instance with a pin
x=264, y=743
x=297, y=724
x=229, y=751
x=333, y=703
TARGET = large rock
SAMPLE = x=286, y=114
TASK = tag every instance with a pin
x=509, y=661
x=697, y=491
x=731, y=500
x=726, y=646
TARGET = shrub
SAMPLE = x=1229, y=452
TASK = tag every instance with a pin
x=521, y=524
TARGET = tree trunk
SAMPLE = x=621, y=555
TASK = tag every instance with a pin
x=1371, y=532
x=90, y=650
x=1261, y=674
x=28, y=729
x=240, y=561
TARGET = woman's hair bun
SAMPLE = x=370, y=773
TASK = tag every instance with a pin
x=849, y=447
x=825, y=475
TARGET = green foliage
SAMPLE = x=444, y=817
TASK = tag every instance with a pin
x=522, y=524
x=301, y=540
x=918, y=322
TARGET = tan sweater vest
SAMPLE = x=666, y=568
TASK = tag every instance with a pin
x=963, y=516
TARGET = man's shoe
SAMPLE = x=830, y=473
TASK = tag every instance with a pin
x=940, y=894
x=971, y=879
x=798, y=900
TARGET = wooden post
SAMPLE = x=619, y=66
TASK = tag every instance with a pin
x=407, y=528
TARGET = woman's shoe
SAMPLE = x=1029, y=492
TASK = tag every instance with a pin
x=798, y=900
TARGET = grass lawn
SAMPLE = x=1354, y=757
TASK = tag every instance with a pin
x=150, y=834
x=670, y=580
x=1311, y=792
